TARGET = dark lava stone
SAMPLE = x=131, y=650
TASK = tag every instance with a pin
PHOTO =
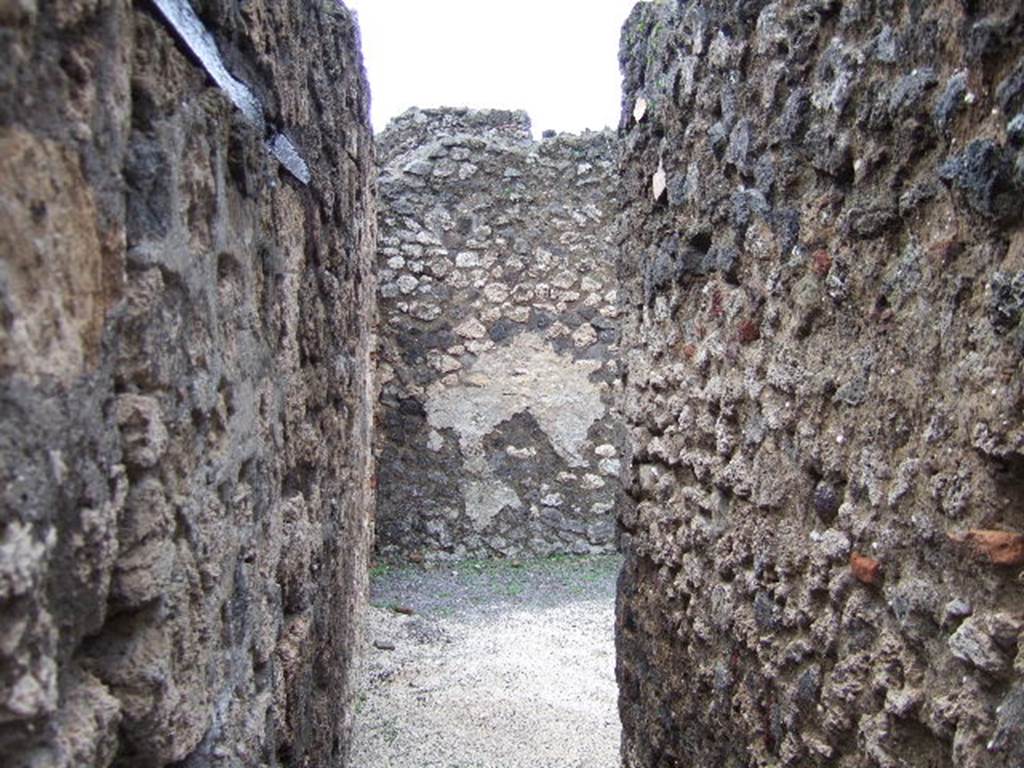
x=826, y=502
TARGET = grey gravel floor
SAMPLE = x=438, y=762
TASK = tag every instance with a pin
x=488, y=665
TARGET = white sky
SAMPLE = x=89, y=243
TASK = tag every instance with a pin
x=557, y=59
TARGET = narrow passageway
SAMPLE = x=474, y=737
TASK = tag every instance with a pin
x=490, y=665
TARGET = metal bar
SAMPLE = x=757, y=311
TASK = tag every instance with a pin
x=181, y=17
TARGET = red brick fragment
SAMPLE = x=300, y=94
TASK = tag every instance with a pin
x=749, y=331
x=717, y=310
x=822, y=262
x=997, y=547
x=866, y=569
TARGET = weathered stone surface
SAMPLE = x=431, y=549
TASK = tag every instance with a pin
x=984, y=641
x=185, y=387
x=845, y=179
x=499, y=337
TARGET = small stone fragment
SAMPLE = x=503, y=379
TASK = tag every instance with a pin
x=1015, y=130
x=974, y=643
x=903, y=702
x=471, y=329
x=419, y=168
x=435, y=441
x=1007, y=300
x=407, y=284
x=584, y=336
x=826, y=502
x=143, y=433
x=834, y=544
x=1009, y=733
x=34, y=694
x=553, y=500
x=659, y=183
x=22, y=561
x=955, y=610
x=951, y=101
x=984, y=174
x=640, y=109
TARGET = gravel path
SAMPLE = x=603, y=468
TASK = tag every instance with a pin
x=489, y=665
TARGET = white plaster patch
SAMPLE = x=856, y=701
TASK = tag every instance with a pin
x=525, y=376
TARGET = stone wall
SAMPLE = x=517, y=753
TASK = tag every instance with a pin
x=185, y=390
x=823, y=265
x=499, y=338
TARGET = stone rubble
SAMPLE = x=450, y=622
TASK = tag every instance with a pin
x=824, y=391
x=186, y=398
